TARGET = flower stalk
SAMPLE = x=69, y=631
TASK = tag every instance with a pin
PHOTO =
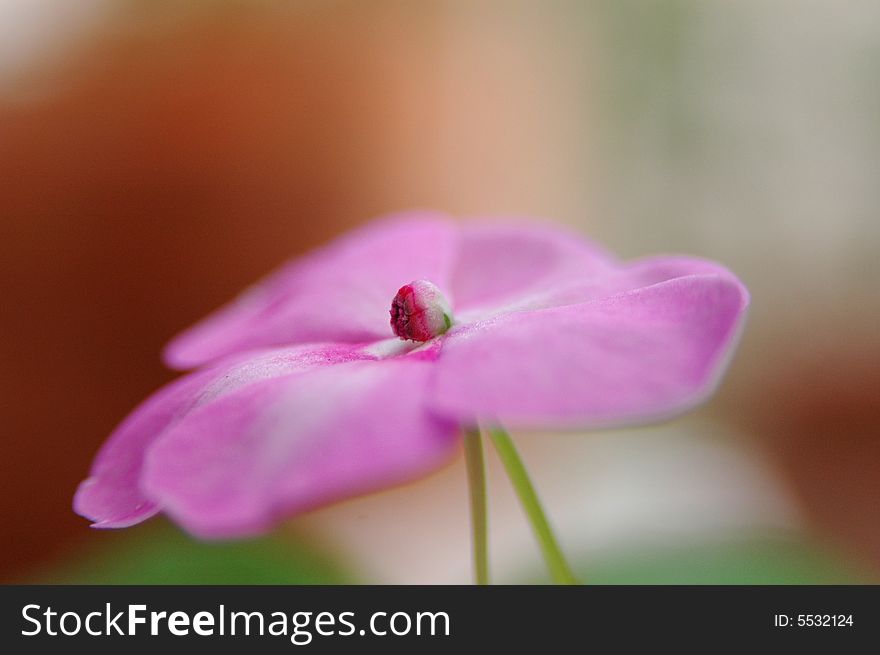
x=516, y=471
x=476, y=469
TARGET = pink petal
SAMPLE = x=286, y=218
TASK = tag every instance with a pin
x=500, y=267
x=341, y=292
x=289, y=444
x=628, y=357
x=112, y=496
x=614, y=280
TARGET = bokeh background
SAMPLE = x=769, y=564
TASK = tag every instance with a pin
x=156, y=157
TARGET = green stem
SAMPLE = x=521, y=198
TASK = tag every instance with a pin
x=559, y=568
x=476, y=469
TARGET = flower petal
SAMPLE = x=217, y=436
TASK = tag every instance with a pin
x=112, y=496
x=504, y=267
x=289, y=444
x=341, y=292
x=641, y=354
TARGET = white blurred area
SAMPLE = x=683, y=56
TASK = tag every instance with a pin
x=741, y=131
x=39, y=32
x=634, y=490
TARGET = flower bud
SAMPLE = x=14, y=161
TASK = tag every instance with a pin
x=420, y=312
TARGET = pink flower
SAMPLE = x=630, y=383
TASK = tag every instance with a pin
x=304, y=394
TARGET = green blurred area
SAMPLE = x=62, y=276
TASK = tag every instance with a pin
x=161, y=554
x=759, y=560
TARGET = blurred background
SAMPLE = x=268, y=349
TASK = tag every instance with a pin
x=157, y=157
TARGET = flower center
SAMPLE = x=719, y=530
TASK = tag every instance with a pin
x=419, y=312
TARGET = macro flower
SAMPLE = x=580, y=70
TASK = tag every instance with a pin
x=304, y=392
